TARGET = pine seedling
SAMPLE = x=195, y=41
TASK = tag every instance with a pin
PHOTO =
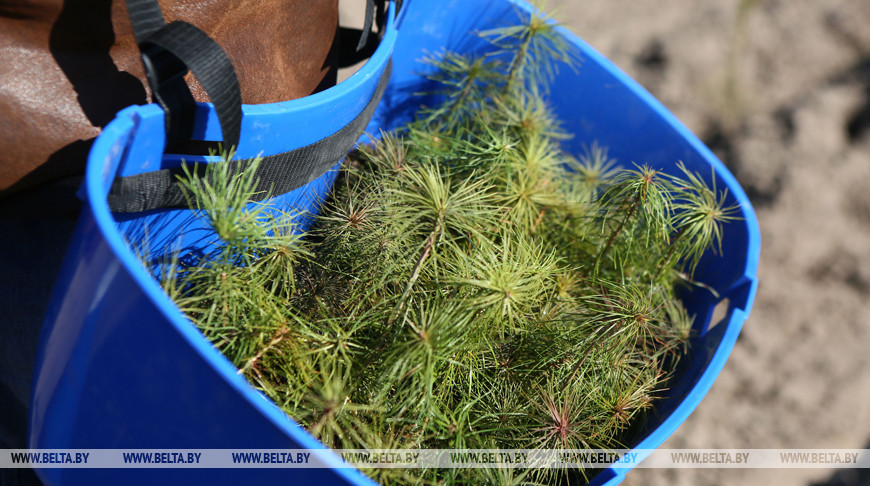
x=508, y=280
x=223, y=198
x=329, y=411
x=637, y=203
x=527, y=116
x=529, y=182
x=700, y=212
x=535, y=47
x=560, y=417
x=434, y=331
x=595, y=170
x=465, y=83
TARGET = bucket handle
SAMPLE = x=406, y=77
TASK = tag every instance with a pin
x=170, y=50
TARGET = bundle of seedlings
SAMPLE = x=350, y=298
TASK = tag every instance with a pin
x=467, y=285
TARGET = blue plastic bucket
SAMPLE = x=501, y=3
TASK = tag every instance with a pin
x=120, y=367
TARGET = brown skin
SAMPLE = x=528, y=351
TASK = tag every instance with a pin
x=66, y=68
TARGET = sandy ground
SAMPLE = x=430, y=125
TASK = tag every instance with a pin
x=780, y=90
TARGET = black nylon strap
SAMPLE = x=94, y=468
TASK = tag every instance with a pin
x=212, y=68
x=146, y=18
x=355, y=45
x=190, y=49
x=367, y=25
x=165, y=73
x=349, y=40
x=277, y=174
